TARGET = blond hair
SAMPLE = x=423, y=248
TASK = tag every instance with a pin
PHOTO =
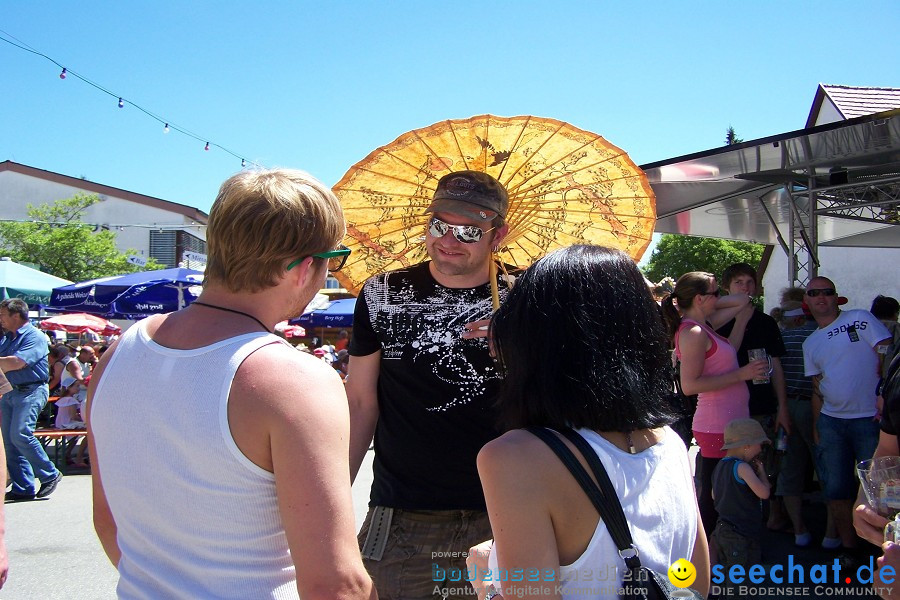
x=264, y=219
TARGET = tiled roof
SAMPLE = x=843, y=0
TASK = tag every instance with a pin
x=853, y=101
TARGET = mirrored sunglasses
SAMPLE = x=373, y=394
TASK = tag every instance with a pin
x=822, y=292
x=467, y=234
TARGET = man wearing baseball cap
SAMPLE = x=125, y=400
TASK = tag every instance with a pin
x=423, y=383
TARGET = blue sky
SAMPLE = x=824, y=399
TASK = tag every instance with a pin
x=319, y=85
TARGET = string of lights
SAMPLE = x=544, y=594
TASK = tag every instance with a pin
x=122, y=100
x=111, y=226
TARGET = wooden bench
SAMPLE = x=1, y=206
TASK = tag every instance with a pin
x=62, y=439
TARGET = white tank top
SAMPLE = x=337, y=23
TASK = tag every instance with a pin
x=657, y=496
x=195, y=517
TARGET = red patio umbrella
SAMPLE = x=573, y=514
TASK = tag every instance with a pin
x=79, y=323
x=290, y=331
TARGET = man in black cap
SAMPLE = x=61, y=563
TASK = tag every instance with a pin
x=423, y=382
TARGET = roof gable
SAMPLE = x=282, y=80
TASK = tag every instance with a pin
x=851, y=101
x=98, y=188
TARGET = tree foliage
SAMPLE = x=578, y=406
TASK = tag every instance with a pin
x=676, y=255
x=731, y=137
x=59, y=241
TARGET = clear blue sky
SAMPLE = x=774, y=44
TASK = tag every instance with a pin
x=319, y=85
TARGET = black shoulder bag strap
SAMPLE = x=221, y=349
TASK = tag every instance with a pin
x=603, y=497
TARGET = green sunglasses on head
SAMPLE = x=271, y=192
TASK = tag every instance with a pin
x=336, y=258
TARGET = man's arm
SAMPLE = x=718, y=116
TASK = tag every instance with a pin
x=11, y=363
x=779, y=384
x=104, y=523
x=362, y=397
x=816, y=402
x=299, y=402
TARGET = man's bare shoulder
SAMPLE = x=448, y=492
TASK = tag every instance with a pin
x=276, y=375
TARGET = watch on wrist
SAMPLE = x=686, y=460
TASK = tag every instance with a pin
x=491, y=592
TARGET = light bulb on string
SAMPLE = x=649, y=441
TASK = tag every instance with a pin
x=121, y=103
x=207, y=147
x=166, y=128
x=62, y=75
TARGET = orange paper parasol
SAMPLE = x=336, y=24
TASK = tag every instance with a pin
x=566, y=186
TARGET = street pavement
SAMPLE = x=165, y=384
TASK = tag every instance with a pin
x=54, y=553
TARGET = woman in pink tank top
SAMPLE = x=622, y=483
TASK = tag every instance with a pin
x=709, y=367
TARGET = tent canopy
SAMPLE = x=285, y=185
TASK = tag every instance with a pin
x=31, y=285
x=837, y=184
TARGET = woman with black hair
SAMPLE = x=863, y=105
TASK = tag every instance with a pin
x=607, y=375
x=709, y=368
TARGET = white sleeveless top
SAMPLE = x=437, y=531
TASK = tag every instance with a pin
x=657, y=496
x=195, y=517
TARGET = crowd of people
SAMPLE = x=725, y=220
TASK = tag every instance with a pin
x=250, y=496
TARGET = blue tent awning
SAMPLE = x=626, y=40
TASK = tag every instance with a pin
x=338, y=313
x=145, y=292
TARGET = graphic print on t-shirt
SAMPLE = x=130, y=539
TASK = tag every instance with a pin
x=420, y=323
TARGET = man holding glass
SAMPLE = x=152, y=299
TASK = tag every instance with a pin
x=842, y=358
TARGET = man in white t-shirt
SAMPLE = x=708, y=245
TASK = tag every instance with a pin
x=842, y=357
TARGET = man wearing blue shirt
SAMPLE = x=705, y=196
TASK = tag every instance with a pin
x=23, y=359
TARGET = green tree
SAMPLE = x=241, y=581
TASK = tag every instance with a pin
x=676, y=255
x=731, y=137
x=59, y=241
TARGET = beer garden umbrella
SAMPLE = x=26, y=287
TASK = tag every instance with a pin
x=338, y=313
x=144, y=292
x=31, y=285
x=566, y=186
x=79, y=323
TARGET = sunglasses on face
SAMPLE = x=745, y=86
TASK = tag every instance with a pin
x=821, y=292
x=336, y=258
x=467, y=234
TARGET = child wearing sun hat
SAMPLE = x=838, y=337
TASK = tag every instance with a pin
x=739, y=484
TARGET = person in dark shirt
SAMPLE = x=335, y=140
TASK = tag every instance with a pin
x=768, y=401
x=421, y=380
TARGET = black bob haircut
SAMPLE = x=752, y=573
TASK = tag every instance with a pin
x=581, y=344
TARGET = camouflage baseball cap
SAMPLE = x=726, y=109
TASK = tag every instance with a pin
x=470, y=193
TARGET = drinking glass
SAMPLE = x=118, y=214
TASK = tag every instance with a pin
x=755, y=354
x=880, y=479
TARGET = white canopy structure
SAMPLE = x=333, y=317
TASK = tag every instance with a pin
x=831, y=185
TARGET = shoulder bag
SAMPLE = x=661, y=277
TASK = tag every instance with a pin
x=639, y=582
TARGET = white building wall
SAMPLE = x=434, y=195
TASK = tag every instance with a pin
x=17, y=190
x=860, y=274
x=828, y=113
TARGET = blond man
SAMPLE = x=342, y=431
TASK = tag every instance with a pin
x=221, y=453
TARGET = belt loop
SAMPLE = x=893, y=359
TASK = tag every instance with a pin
x=377, y=538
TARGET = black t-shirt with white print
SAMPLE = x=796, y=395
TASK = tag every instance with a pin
x=436, y=390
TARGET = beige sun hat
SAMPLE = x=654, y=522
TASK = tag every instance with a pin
x=744, y=432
